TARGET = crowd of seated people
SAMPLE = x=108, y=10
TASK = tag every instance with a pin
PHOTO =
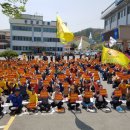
x=46, y=85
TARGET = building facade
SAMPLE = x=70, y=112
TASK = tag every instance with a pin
x=117, y=23
x=4, y=39
x=30, y=34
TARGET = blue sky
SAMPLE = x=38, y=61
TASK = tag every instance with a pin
x=79, y=14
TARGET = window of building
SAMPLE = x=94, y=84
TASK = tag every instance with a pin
x=46, y=48
x=17, y=48
x=113, y=18
x=25, y=21
x=46, y=39
x=43, y=22
x=37, y=39
x=124, y=11
x=48, y=23
x=21, y=38
x=24, y=48
x=105, y=22
x=31, y=22
x=37, y=22
x=57, y=40
x=14, y=48
x=51, y=30
x=27, y=48
x=37, y=29
x=59, y=49
x=3, y=37
x=119, y=15
x=22, y=28
x=128, y=10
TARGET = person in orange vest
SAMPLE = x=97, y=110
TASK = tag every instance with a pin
x=86, y=100
x=57, y=98
x=72, y=98
x=123, y=87
x=115, y=99
x=44, y=98
x=100, y=101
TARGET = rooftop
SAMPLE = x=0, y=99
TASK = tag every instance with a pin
x=116, y=5
x=5, y=30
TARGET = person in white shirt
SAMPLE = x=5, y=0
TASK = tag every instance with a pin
x=57, y=98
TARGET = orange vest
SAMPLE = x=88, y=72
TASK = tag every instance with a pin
x=44, y=94
x=58, y=96
x=73, y=97
x=103, y=92
x=88, y=94
x=117, y=93
x=31, y=105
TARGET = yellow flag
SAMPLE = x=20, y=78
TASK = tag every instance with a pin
x=63, y=32
x=113, y=56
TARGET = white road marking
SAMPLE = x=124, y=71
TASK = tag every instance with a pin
x=2, y=127
x=43, y=114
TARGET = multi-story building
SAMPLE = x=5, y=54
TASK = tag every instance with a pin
x=31, y=34
x=4, y=39
x=117, y=23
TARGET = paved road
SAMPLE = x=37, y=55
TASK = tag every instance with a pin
x=71, y=121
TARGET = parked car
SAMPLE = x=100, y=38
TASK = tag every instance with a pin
x=78, y=53
x=91, y=53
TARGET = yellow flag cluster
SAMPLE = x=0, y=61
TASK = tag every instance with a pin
x=63, y=32
x=113, y=56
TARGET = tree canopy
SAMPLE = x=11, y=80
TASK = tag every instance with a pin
x=73, y=46
x=9, y=54
x=13, y=8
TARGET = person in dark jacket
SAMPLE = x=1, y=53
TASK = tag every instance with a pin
x=100, y=101
x=104, y=75
x=16, y=100
x=115, y=100
x=109, y=77
x=68, y=57
x=36, y=68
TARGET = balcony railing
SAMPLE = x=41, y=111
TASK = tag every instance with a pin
x=108, y=10
x=113, y=6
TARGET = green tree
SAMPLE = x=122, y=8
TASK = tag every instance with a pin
x=13, y=8
x=73, y=46
x=99, y=46
x=9, y=54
